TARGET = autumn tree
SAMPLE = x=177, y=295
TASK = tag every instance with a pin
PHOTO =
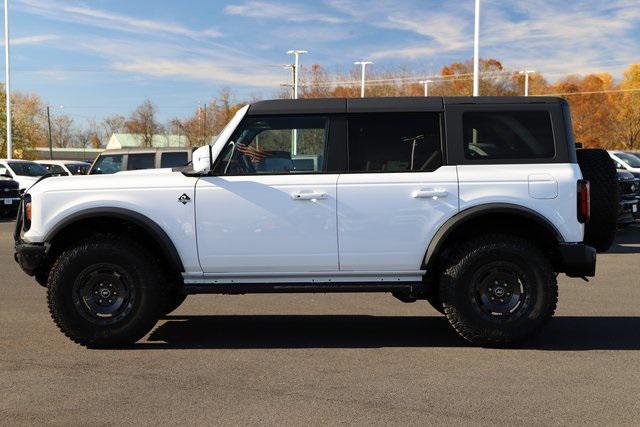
x=627, y=124
x=27, y=129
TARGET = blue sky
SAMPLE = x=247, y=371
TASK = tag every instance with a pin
x=106, y=56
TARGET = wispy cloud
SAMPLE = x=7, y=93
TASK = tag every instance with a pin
x=31, y=40
x=285, y=12
x=109, y=20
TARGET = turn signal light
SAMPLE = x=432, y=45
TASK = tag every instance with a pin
x=584, y=201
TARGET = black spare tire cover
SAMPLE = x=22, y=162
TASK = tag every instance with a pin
x=598, y=168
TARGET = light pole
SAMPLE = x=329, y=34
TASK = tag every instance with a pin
x=363, y=64
x=7, y=86
x=526, y=80
x=296, y=69
x=476, y=51
x=426, y=86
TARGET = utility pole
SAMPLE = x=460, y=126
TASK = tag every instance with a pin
x=7, y=86
x=292, y=67
x=50, y=140
x=526, y=80
x=426, y=86
x=363, y=64
x=296, y=69
x=476, y=52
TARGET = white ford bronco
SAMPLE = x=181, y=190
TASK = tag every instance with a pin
x=473, y=204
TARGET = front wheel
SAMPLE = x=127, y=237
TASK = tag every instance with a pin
x=105, y=292
x=498, y=290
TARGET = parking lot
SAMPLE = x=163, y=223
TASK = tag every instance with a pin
x=317, y=359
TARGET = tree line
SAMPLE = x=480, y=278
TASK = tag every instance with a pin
x=605, y=112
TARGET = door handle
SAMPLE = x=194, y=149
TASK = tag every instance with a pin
x=309, y=196
x=429, y=193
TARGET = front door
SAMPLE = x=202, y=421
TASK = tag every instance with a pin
x=397, y=192
x=269, y=206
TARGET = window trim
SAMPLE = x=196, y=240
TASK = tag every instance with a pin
x=443, y=151
x=331, y=139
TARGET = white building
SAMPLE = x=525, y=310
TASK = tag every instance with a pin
x=132, y=140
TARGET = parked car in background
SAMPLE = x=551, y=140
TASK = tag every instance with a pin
x=627, y=161
x=112, y=161
x=629, y=189
x=65, y=167
x=9, y=197
x=24, y=171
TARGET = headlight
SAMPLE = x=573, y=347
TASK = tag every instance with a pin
x=27, y=212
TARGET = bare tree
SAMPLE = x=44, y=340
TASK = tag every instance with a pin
x=62, y=130
x=113, y=124
x=143, y=123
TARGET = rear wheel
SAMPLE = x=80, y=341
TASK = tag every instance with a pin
x=598, y=168
x=498, y=290
x=105, y=292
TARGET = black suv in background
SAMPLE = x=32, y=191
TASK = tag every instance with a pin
x=629, y=189
x=9, y=197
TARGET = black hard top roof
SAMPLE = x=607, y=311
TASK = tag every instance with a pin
x=384, y=104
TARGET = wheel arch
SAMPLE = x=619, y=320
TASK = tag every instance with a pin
x=493, y=217
x=150, y=228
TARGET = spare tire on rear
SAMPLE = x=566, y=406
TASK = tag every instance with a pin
x=598, y=168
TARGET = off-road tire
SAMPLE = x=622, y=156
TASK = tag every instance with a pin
x=599, y=169
x=134, y=266
x=457, y=289
x=175, y=296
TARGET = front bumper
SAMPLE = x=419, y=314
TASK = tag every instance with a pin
x=30, y=256
x=577, y=259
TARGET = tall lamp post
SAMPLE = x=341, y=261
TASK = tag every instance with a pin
x=426, y=86
x=363, y=64
x=526, y=80
x=7, y=86
x=296, y=69
x=476, y=51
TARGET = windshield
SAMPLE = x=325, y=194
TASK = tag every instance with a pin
x=27, y=168
x=78, y=168
x=629, y=159
x=108, y=164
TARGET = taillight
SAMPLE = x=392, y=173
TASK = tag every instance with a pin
x=584, y=201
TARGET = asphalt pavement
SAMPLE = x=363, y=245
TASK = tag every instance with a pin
x=328, y=359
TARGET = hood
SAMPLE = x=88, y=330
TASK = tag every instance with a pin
x=26, y=181
x=624, y=175
x=141, y=179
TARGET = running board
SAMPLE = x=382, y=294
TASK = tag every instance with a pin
x=407, y=288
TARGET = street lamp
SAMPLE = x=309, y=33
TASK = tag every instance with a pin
x=476, y=52
x=526, y=80
x=296, y=68
x=426, y=86
x=363, y=64
x=7, y=86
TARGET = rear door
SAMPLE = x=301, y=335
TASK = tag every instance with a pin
x=397, y=192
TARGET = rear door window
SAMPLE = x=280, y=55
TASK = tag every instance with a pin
x=141, y=161
x=394, y=142
x=507, y=135
x=174, y=159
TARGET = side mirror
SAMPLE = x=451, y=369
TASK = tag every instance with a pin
x=6, y=174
